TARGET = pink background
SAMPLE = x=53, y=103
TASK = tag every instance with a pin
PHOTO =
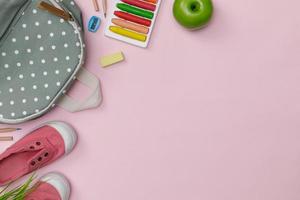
x=211, y=115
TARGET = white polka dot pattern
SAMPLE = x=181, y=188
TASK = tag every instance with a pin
x=36, y=61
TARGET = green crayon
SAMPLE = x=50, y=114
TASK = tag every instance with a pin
x=135, y=11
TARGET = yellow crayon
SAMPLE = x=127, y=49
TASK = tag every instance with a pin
x=127, y=33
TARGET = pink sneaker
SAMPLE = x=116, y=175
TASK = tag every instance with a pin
x=53, y=186
x=37, y=149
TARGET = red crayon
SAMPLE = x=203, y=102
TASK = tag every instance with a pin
x=141, y=4
x=133, y=18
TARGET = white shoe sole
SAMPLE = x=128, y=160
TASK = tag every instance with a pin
x=60, y=183
x=67, y=133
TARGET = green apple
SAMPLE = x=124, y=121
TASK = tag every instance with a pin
x=193, y=14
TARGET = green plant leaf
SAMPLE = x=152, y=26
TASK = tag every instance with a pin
x=19, y=192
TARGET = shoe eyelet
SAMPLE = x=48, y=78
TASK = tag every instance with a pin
x=46, y=154
x=38, y=143
x=32, y=163
x=31, y=147
x=40, y=159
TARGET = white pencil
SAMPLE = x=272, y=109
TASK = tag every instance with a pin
x=6, y=130
x=96, y=5
x=104, y=7
x=6, y=138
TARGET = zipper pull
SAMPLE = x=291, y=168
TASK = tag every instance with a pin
x=55, y=11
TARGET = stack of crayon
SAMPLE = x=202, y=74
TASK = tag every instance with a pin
x=133, y=20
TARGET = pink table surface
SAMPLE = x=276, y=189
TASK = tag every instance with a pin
x=211, y=115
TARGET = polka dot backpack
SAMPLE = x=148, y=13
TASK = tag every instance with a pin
x=41, y=54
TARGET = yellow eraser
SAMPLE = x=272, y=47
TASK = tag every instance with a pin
x=112, y=59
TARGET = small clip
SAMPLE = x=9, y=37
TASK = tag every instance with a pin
x=94, y=24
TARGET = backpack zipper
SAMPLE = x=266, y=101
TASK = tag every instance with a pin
x=13, y=22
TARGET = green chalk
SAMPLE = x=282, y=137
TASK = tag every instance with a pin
x=135, y=11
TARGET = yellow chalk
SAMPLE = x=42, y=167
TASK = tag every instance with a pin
x=112, y=59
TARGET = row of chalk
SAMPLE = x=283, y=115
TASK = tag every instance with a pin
x=133, y=19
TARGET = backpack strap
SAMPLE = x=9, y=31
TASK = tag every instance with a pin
x=92, y=101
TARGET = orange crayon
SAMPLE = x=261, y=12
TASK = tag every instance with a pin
x=128, y=25
x=151, y=1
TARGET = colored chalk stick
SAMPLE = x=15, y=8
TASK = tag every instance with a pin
x=128, y=25
x=127, y=33
x=111, y=59
x=135, y=11
x=132, y=18
x=140, y=4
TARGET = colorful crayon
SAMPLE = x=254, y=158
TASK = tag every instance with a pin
x=140, y=4
x=135, y=11
x=151, y=1
x=128, y=25
x=133, y=18
x=132, y=21
x=127, y=33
